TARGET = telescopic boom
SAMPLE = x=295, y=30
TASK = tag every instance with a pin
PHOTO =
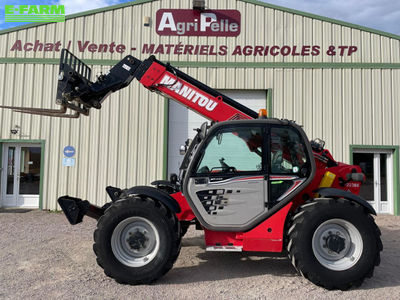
x=76, y=91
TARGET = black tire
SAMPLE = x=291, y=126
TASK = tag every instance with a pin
x=305, y=227
x=163, y=224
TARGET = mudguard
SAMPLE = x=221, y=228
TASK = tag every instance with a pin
x=156, y=194
x=337, y=193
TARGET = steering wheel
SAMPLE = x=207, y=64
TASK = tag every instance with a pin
x=225, y=166
x=232, y=169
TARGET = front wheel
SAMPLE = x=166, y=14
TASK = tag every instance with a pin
x=334, y=243
x=137, y=240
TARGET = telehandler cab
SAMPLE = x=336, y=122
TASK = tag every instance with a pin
x=251, y=183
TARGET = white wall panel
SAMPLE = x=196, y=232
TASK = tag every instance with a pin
x=118, y=145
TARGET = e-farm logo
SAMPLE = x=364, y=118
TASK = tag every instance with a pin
x=34, y=13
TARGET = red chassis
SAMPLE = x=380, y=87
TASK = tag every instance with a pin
x=267, y=236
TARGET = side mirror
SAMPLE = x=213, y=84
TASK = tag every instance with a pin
x=203, y=130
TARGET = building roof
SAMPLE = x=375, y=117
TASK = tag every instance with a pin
x=255, y=2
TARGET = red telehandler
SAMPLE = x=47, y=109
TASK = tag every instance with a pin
x=252, y=183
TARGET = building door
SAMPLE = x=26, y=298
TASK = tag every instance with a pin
x=183, y=121
x=20, y=180
x=377, y=165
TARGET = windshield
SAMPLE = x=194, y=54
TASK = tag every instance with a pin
x=234, y=149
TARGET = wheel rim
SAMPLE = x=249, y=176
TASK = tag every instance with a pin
x=337, y=244
x=135, y=242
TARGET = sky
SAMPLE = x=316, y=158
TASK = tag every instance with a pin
x=383, y=14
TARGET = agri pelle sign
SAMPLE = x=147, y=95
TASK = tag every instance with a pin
x=191, y=22
x=34, y=13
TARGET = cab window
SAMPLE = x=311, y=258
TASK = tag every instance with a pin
x=233, y=150
x=288, y=152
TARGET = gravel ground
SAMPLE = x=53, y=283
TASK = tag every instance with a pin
x=43, y=257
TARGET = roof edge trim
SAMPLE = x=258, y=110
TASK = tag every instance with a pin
x=323, y=18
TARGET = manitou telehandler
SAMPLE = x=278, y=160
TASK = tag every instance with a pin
x=252, y=183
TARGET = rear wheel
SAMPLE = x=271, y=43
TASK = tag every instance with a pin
x=334, y=243
x=137, y=240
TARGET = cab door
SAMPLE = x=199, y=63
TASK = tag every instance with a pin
x=289, y=164
x=227, y=180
